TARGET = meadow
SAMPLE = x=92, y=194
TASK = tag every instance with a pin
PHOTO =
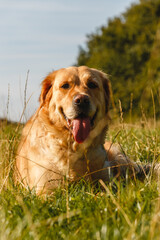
x=123, y=210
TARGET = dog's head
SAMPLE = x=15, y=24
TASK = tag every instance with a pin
x=77, y=98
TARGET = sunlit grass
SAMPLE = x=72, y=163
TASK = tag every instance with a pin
x=82, y=211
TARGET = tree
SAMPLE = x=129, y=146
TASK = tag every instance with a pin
x=128, y=49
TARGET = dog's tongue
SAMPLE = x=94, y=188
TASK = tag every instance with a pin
x=81, y=129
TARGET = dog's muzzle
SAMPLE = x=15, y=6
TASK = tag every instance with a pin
x=82, y=122
x=81, y=104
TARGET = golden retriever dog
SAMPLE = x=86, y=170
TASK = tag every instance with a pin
x=65, y=138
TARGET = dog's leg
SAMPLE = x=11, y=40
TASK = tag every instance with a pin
x=118, y=165
x=149, y=169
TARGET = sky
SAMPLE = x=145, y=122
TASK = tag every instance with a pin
x=39, y=36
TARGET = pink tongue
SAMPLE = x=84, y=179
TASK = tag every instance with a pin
x=81, y=129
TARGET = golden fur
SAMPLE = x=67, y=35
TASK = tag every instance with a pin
x=48, y=151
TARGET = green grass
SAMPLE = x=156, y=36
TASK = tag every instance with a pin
x=81, y=211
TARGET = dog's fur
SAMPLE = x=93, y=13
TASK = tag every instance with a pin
x=50, y=150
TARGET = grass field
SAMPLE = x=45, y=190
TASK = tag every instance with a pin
x=81, y=211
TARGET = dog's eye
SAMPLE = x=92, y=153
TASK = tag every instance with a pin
x=92, y=85
x=65, y=86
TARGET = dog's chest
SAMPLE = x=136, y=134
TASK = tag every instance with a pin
x=59, y=155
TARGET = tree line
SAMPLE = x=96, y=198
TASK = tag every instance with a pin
x=128, y=50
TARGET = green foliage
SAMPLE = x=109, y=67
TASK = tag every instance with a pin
x=128, y=49
x=9, y=135
x=92, y=215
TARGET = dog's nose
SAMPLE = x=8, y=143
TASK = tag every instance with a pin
x=81, y=100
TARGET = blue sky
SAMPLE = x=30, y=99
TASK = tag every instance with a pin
x=41, y=36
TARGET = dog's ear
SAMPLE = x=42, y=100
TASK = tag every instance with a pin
x=107, y=89
x=46, y=91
